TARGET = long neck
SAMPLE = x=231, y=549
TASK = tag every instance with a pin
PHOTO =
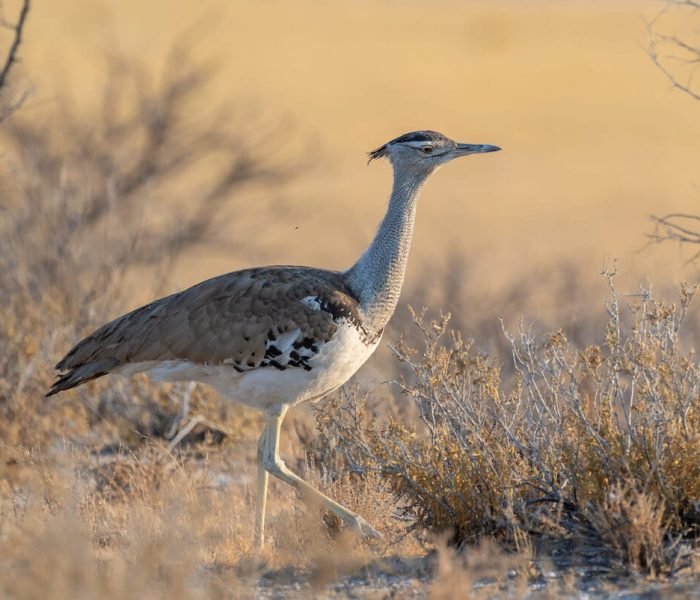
x=376, y=278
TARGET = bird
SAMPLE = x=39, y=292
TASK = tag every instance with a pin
x=272, y=337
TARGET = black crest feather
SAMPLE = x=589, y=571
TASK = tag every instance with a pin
x=377, y=153
x=413, y=136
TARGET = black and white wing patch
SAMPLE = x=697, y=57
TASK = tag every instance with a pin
x=290, y=349
x=295, y=349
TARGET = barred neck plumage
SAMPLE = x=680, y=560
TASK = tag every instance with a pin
x=376, y=278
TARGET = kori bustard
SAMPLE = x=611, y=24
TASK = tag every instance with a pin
x=272, y=337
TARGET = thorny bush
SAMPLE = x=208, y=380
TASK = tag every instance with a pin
x=88, y=201
x=602, y=440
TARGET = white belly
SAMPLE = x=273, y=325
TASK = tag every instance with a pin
x=336, y=361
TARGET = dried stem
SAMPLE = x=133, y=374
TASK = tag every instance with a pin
x=11, y=57
x=666, y=49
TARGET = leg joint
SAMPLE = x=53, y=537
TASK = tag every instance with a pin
x=273, y=465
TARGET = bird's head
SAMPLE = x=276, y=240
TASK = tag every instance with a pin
x=424, y=151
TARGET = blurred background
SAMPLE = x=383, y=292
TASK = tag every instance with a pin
x=594, y=139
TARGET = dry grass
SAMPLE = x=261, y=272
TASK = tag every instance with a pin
x=632, y=524
x=484, y=569
x=599, y=441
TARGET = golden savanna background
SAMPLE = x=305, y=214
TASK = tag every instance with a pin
x=594, y=139
x=542, y=443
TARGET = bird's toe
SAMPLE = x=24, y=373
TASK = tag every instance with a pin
x=366, y=530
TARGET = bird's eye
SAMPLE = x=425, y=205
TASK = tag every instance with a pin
x=427, y=149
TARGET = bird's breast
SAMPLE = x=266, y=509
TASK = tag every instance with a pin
x=336, y=361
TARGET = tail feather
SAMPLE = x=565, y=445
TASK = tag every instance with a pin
x=82, y=374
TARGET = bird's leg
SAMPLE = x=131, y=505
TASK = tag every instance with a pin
x=180, y=418
x=261, y=500
x=268, y=453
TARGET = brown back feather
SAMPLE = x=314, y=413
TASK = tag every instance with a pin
x=227, y=317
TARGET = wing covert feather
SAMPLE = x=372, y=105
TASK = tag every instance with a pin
x=225, y=318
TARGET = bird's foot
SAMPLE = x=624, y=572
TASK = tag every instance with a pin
x=252, y=564
x=365, y=529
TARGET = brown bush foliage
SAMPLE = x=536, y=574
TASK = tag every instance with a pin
x=83, y=213
x=607, y=435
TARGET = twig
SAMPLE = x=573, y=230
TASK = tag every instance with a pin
x=667, y=229
x=656, y=39
x=11, y=58
x=187, y=429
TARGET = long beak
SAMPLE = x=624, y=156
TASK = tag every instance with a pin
x=464, y=149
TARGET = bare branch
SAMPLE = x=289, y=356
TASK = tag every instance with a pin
x=685, y=88
x=689, y=3
x=664, y=49
x=678, y=59
x=669, y=228
x=11, y=57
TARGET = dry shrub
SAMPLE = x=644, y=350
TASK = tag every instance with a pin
x=450, y=469
x=542, y=452
x=95, y=204
x=561, y=295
